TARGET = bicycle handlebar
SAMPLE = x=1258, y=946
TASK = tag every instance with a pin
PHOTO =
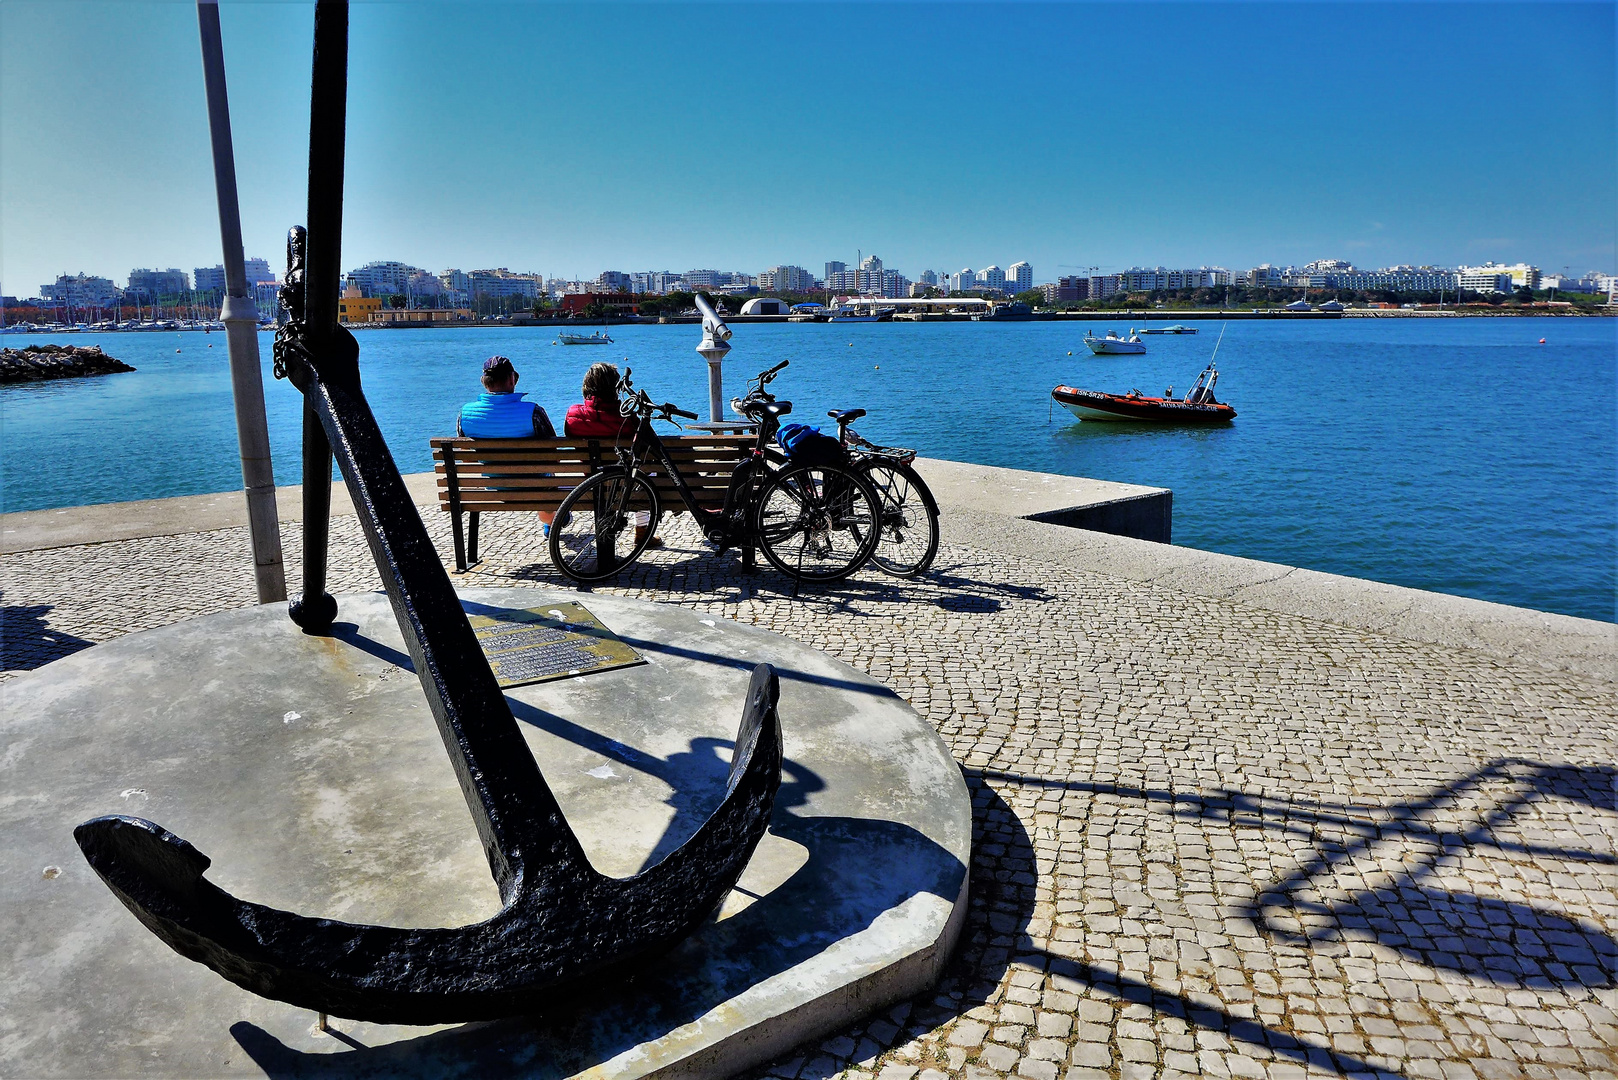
x=666, y=407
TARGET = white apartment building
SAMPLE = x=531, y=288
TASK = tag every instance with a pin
x=81, y=290
x=1394, y=279
x=150, y=283
x=963, y=281
x=1504, y=278
x=1104, y=285
x=393, y=278
x=786, y=279
x=654, y=282
x=869, y=280
x=1019, y=277
x=993, y=278
x=501, y=282
x=928, y=278
x=209, y=278
x=212, y=278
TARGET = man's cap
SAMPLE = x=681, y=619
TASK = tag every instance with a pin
x=495, y=363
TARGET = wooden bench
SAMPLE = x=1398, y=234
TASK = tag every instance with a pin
x=479, y=476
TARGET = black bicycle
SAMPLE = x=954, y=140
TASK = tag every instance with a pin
x=812, y=522
x=909, y=535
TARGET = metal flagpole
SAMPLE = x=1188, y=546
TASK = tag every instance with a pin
x=240, y=315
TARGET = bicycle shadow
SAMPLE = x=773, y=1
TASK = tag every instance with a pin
x=686, y=565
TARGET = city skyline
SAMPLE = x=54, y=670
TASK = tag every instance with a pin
x=386, y=277
x=475, y=141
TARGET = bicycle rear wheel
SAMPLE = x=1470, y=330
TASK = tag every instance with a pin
x=909, y=535
x=816, y=522
x=593, y=536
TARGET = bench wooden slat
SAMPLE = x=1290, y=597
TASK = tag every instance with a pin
x=479, y=476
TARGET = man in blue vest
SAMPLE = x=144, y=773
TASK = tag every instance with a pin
x=502, y=413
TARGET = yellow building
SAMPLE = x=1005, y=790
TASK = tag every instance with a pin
x=354, y=308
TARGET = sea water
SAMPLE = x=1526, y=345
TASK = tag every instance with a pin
x=1459, y=454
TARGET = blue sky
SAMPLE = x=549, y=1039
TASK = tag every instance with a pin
x=574, y=138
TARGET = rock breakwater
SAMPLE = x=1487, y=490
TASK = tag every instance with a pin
x=38, y=362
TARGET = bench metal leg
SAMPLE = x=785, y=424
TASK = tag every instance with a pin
x=748, y=566
x=460, y=539
x=472, y=538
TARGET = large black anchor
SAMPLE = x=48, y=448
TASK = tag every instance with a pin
x=561, y=920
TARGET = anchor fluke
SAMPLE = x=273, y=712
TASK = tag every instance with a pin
x=565, y=920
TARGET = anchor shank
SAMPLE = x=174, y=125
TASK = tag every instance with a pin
x=515, y=811
x=508, y=798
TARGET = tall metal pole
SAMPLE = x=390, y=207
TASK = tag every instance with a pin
x=240, y=316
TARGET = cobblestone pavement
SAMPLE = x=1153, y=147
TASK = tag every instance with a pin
x=1210, y=839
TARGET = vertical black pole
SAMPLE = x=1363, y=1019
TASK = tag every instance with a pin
x=328, y=110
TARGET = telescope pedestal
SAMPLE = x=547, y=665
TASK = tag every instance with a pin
x=310, y=770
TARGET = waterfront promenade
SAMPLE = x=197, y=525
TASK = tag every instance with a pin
x=1231, y=818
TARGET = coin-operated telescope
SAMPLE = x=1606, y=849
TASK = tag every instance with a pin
x=713, y=347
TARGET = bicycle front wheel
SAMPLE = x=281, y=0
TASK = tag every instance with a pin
x=594, y=534
x=816, y=523
x=909, y=533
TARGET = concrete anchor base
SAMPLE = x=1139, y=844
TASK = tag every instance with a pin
x=310, y=771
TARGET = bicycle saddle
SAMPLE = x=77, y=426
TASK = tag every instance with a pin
x=776, y=408
x=847, y=416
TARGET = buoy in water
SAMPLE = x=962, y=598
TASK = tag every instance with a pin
x=1542, y=341
x=176, y=350
x=878, y=367
x=1070, y=352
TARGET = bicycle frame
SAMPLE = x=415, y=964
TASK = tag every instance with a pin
x=716, y=523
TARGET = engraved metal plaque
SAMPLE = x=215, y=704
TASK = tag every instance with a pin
x=557, y=641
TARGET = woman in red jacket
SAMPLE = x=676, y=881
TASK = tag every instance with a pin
x=597, y=417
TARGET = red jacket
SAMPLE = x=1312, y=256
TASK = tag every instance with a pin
x=588, y=420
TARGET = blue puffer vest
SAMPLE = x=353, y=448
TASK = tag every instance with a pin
x=498, y=416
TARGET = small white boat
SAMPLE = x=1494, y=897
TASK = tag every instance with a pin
x=1113, y=344
x=1175, y=329
x=597, y=338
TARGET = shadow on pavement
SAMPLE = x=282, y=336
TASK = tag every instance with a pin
x=27, y=640
x=1003, y=901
